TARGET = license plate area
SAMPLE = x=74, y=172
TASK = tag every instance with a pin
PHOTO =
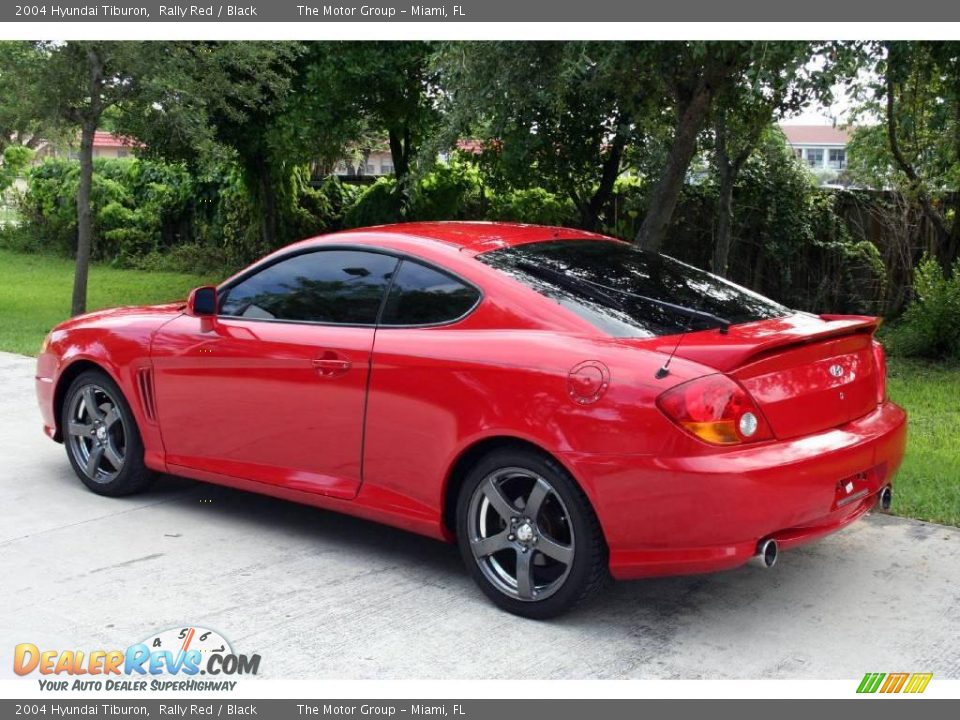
x=858, y=486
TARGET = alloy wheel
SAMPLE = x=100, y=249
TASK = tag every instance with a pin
x=520, y=534
x=96, y=434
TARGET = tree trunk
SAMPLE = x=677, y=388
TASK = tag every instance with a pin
x=728, y=171
x=608, y=177
x=721, y=250
x=654, y=228
x=268, y=204
x=399, y=153
x=951, y=251
x=946, y=245
x=84, y=223
x=758, y=270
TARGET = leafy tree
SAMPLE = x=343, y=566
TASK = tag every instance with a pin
x=916, y=147
x=180, y=100
x=555, y=115
x=222, y=100
x=18, y=125
x=775, y=80
x=353, y=92
x=694, y=73
x=68, y=86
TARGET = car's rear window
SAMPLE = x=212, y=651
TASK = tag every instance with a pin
x=627, y=292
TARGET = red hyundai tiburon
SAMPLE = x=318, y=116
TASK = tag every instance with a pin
x=559, y=402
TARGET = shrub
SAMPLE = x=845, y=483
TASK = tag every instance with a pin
x=13, y=160
x=135, y=207
x=48, y=208
x=318, y=210
x=378, y=204
x=930, y=326
x=190, y=258
x=533, y=205
x=451, y=191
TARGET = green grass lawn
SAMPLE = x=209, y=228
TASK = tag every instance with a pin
x=35, y=293
x=35, y=296
x=928, y=486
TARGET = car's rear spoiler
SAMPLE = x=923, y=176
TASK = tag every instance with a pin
x=752, y=341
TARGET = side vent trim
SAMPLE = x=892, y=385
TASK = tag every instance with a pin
x=145, y=386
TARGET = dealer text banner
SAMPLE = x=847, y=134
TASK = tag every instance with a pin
x=204, y=709
x=307, y=11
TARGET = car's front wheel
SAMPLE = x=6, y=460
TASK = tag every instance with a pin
x=101, y=436
x=528, y=534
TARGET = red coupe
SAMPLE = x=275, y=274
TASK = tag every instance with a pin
x=562, y=405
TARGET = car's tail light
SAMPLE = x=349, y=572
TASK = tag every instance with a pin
x=880, y=361
x=715, y=409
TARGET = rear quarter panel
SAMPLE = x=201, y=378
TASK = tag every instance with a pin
x=436, y=392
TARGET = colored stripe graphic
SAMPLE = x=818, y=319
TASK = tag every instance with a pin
x=918, y=682
x=870, y=682
x=894, y=683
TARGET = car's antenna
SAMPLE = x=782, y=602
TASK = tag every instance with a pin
x=664, y=370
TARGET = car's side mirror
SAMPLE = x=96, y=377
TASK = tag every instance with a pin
x=202, y=302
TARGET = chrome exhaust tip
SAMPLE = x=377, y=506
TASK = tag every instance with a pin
x=885, y=499
x=767, y=553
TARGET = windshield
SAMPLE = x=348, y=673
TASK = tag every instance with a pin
x=627, y=292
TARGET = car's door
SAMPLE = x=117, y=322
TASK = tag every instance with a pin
x=421, y=386
x=273, y=389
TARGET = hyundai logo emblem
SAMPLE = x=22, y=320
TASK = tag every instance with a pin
x=836, y=370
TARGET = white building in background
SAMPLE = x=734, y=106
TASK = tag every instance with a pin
x=822, y=147
x=372, y=164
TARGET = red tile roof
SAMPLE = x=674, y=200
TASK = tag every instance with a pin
x=104, y=139
x=815, y=135
x=475, y=147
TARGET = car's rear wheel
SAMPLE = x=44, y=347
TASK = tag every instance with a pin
x=101, y=437
x=528, y=534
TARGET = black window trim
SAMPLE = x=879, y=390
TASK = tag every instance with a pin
x=401, y=257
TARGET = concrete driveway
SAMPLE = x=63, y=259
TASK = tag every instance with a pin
x=322, y=595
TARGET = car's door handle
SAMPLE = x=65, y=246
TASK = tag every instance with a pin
x=331, y=364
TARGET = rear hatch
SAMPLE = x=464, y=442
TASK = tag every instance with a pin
x=806, y=373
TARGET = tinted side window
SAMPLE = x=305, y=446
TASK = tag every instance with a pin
x=334, y=286
x=423, y=296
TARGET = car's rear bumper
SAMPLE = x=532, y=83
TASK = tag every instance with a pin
x=679, y=515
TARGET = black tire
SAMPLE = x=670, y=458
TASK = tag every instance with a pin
x=119, y=439
x=561, y=520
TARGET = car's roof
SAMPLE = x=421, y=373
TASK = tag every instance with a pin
x=435, y=240
x=476, y=236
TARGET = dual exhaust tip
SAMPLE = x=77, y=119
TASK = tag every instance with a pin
x=768, y=550
x=767, y=553
x=885, y=499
